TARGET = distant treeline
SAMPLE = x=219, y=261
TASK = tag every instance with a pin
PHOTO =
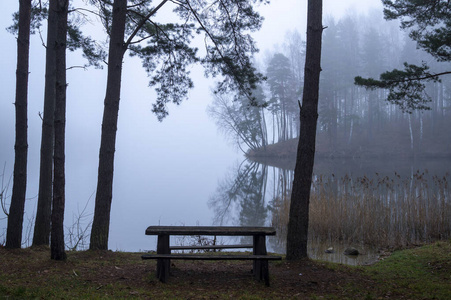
x=353, y=121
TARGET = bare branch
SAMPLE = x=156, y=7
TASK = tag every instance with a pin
x=76, y=67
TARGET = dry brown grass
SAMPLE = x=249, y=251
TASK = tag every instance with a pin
x=382, y=212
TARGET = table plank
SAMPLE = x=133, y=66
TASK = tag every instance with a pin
x=210, y=230
x=211, y=257
x=211, y=247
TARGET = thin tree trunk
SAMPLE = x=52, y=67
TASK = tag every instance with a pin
x=264, y=129
x=57, y=237
x=411, y=134
x=350, y=131
x=16, y=211
x=43, y=214
x=104, y=194
x=300, y=196
x=371, y=100
x=352, y=115
x=273, y=128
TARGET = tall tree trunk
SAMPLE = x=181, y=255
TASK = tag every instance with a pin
x=43, y=214
x=16, y=210
x=104, y=194
x=57, y=240
x=300, y=196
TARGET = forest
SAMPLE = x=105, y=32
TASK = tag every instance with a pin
x=353, y=122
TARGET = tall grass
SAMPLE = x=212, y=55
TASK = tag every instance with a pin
x=381, y=211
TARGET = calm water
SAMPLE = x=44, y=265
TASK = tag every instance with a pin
x=246, y=193
x=369, y=205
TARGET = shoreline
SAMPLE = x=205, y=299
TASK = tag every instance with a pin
x=286, y=150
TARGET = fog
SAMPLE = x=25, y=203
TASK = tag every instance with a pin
x=153, y=160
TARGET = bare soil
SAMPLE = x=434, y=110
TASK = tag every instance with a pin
x=119, y=274
x=419, y=273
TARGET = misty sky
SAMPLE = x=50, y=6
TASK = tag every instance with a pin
x=153, y=159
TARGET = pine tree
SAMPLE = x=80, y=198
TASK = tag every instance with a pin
x=297, y=235
x=165, y=52
x=16, y=211
x=429, y=23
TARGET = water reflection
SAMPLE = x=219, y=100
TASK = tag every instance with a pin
x=368, y=210
x=241, y=193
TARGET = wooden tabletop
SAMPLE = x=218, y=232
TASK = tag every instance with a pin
x=210, y=230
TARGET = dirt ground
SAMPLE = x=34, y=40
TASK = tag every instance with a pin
x=119, y=274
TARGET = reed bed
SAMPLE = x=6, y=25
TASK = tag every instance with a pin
x=382, y=211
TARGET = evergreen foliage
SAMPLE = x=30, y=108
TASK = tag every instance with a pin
x=38, y=14
x=166, y=52
x=91, y=50
x=354, y=121
x=429, y=23
x=406, y=87
x=283, y=88
x=166, y=49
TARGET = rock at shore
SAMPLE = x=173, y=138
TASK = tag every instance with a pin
x=351, y=251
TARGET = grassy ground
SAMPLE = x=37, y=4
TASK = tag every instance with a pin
x=420, y=273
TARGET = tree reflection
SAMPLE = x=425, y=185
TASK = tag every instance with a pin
x=241, y=193
x=350, y=206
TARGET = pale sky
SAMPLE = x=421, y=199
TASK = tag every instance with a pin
x=144, y=146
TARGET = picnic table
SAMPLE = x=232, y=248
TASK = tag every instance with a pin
x=259, y=254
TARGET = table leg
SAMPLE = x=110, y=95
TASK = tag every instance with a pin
x=163, y=264
x=260, y=266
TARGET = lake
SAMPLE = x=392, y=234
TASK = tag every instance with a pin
x=369, y=205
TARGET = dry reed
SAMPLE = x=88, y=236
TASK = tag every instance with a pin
x=382, y=212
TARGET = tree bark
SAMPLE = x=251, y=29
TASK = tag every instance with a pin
x=16, y=211
x=297, y=235
x=57, y=233
x=43, y=214
x=104, y=193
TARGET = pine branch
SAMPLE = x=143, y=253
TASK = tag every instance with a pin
x=143, y=21
x=223, y=58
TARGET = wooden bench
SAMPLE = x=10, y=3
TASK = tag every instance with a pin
x=211, y=247
x=259, y=254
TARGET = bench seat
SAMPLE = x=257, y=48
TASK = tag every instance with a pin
x=208, y=247
x=211, y=257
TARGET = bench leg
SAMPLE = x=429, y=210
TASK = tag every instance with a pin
x=261, y=271
x=163, y=265
x=265, y=272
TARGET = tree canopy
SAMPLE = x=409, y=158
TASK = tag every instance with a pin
x=429, y=23
x=166, y=52
x=166, y=49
